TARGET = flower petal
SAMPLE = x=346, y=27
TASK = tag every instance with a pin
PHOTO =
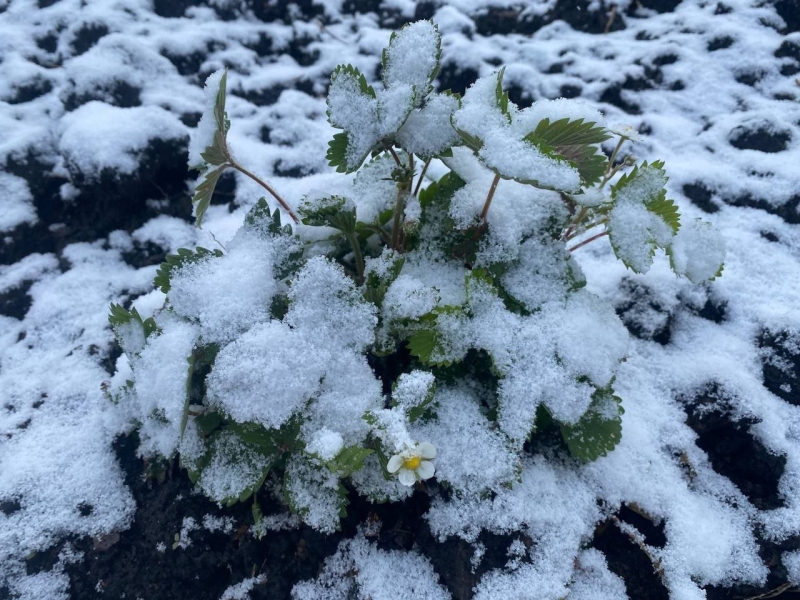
x=425, y=470
x=407, y=477
x=394, y=463
x=426, y=450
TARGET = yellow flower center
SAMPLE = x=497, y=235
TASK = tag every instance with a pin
x=412, y=463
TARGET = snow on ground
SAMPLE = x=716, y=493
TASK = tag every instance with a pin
x=86, y=88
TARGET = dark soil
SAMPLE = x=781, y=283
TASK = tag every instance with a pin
x=733, y=451
x=642, y=314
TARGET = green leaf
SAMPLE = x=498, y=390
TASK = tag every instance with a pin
x=268, y=441
x=349, y=460
x=666, y=209
x=501, y=95
x=599, y=430
x=175, y=261
x=337, y=152
x=332, y=211
x=440, y=192
x=433, y=60
x=426, y=342
x=217, y=153
x=375, y=287
x=192, y=360
x=220, y=115
x=644, y=185
x=208, y=422
x=574, y=141
x=119, y=317
x=261, y=218
x=204, y=191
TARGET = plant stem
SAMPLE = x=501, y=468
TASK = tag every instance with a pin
x=266, y=186
x=394, y=154
x=422, y=176
x=399, y=205
x=576, y=222
x=585, y=229
x=352, y=237
x=614, y=154
x=591, y=239
x=488, y=202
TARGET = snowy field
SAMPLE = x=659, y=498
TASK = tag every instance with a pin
x=97, y=102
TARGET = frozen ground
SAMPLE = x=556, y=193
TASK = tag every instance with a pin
x=97, y=99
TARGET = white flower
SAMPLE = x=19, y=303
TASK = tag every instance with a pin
x=628, y=132
x=411, y=465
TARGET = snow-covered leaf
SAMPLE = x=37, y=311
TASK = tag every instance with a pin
x=599, y=430
x=175, y=261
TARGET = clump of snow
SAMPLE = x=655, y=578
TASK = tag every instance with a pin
x=697, y=251
x=18, y=202
x=99, y=138
x=161, y=372
x=411, y=57
x=361, y=570
x=273, y=359
x=241, y=590
x=228, y=295
x=325, y=443
x=428, y=132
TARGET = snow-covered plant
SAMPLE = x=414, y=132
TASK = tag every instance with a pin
x=401, y=333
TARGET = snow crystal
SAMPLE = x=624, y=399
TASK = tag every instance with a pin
x=348, y=390
x=313, y=492
x=593, y=580
x=791, y=560
x=591, y=340
x=203, y=135
x=371, y=482
x=412, y=389
x=213, y=523
x=503, y=148
x=234, y=467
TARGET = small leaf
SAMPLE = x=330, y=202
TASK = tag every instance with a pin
x=331, y=211
x=574, y=141
x=349, y=460
x=599, y=430
x=208, y=422
x=204, y=191
x=192, y=359
x=337, y=152
x=418, y=49
x=174, y=261
x=666, y=209
x=501, y=95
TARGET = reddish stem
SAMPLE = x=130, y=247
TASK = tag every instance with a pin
x=591, y=239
